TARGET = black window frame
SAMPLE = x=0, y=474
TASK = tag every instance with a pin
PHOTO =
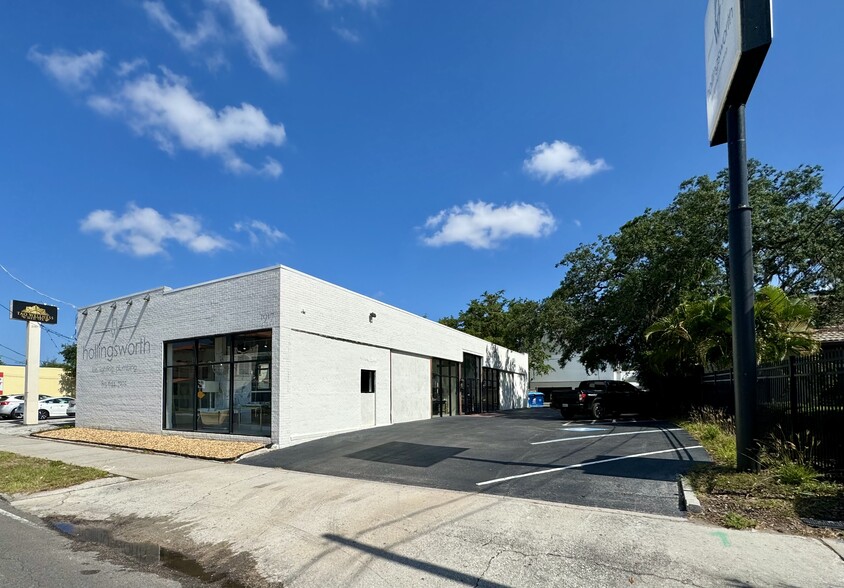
x=367, y=381
x=229, y=361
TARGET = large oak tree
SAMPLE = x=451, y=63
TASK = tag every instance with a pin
x=617, y=287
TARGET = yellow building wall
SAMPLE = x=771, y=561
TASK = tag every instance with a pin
x=48, y=380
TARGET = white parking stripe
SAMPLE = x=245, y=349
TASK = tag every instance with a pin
x=609, y=422
x=584, y=464
x=606, y=435
x=19, y=519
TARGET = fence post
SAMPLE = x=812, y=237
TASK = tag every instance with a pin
x=792, y=391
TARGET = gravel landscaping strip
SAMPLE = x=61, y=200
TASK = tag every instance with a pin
x=171, y=444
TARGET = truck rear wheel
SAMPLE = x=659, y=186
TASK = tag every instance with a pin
x=597, y=410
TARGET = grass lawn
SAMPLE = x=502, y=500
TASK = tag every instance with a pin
x=785, y=491
x=23, y=475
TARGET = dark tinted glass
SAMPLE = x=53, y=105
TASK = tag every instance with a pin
x=180, y=353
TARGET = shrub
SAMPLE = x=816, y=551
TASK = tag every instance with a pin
x=795, y=474
x=791, y=457
x=734, y=520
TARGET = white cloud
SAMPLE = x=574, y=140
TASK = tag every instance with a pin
x=260, y=232
x=577, y=223
x=206, y=27
x=260, y=36
x=128, y=67
x=164, y=109
x=144, y=231
x=483, y=226
x=251, y=23
x=347, y=35
x=561, y=160
x=362, y=4
x=73, y=71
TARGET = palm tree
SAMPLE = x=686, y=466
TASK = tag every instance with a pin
x=699, y=332
x=783, y=326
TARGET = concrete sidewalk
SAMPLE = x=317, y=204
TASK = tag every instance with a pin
x=272, y=527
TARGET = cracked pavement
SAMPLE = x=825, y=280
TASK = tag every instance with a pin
x=270, y=527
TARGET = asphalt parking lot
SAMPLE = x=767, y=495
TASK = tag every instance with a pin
x=629, y=463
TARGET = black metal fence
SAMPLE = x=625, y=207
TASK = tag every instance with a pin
x=798, y=395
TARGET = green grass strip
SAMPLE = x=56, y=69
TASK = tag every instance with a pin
x=20, y=474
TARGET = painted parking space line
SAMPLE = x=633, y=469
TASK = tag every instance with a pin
x=587, y=463
x=606, y=435
x=608, y=422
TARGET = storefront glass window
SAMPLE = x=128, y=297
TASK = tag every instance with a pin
x=180, y=394
x=220, y=384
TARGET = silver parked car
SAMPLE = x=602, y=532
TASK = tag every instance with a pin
x=49, y=407
x=8, y=403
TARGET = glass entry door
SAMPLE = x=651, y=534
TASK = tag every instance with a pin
x=491, y=390
x=444, y=387
x=471, y=384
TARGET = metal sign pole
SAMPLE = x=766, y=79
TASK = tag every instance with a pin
x=742, y=290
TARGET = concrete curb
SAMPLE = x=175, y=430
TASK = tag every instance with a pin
x=99, y=483
x=688, y=498
x=836, y=545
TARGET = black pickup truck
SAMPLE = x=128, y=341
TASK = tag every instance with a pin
x=599, y=398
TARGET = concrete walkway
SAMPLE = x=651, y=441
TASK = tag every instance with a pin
x=274, y=527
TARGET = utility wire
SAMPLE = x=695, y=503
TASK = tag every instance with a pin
x=49, y=330
x=33, y=289
x=828, y=213
x=53, y=341
x=12, y=350
x=790, y=250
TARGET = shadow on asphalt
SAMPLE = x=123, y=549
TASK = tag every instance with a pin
x=409, y=454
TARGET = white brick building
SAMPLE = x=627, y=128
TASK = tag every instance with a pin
x=281, y=355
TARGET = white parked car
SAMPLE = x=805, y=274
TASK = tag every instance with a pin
x=71, y=408
x=49, y=407
x=8, y=403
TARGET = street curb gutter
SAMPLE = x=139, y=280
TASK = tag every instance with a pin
x=688, y=498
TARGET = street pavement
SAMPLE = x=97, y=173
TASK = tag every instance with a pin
x=272, y=527
x=32, y=554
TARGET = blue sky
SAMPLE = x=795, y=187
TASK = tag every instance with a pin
x=417, y=152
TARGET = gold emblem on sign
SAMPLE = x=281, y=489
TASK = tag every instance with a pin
x=35, y=313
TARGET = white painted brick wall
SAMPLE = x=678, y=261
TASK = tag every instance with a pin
x=322, y=338
x=411, y=374
x=127, y=392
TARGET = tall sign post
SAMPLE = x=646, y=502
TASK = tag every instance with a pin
x=738, y=35
x=34, y=314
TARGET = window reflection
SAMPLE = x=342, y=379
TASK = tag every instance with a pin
x=220, y=384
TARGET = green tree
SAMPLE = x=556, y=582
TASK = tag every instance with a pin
x=616, y=288
x=67, y=381
x=517, y=324
x=698, y=333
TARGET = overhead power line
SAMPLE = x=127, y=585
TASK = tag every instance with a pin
x=13, y=350
x=34, y=290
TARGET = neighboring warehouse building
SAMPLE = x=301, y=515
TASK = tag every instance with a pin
x=281, y=355
x=571, y=375
x=12, y=380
